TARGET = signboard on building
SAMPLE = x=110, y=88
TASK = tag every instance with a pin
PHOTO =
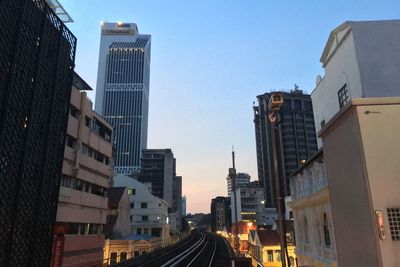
x=58, y=245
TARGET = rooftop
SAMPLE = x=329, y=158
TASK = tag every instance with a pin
x=359, y=102
x=59, y=10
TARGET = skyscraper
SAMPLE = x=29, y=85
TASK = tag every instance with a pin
x=36, y=67
x=242, y=179
x=297, y=139
x=122, y=93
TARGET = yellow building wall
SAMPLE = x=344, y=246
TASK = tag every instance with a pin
x=277, y=263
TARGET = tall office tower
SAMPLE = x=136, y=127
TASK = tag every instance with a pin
x=36, y=67
x=297, y=140
x=122, y=93
x=242, y=179
x=158, y=171
x=86, y=176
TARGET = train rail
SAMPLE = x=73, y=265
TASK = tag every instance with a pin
x=200, y=249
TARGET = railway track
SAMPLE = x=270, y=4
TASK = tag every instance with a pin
x=200, y=249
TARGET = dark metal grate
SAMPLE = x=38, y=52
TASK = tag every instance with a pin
x=36, y=68
x=394, y=222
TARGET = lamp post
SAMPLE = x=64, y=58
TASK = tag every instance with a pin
x=274, y=105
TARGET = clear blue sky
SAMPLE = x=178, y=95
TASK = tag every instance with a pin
x=209, y=61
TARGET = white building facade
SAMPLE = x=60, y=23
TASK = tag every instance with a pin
x=315, y=242
x=360, y=60
x=148, y=214
x=250, y=206
x=122, y=93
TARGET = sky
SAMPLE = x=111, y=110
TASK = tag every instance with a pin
x=209, y=61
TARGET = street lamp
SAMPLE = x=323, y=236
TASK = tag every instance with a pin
x=275, y=102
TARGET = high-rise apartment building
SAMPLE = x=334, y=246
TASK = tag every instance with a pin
x=122, y=94
x=242, y=179
x=36, y=67
x=86, y=176
x=297, y=139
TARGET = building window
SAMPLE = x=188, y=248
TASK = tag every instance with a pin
x=143, y=205
x=65, y=180
x=278, y=255
x=78, y=185
x=343, y=96
x=87, y=121
x=113, y=258
x=270, y=256
x=326, y=232
x=394, y=222
x=145, y=231
x=71, y=142
x=297, y=105
x=98, y=190
x=132, y=205
x=74, y=112
x=132, y=191
x=305, y=231
x=130, y=218
x=123, y=256
x=101, y=130
x=99, y=157
x=106, y=160
x=145, y=218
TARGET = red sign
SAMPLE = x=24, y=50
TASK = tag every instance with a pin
x=60, y=229
x=57, y=252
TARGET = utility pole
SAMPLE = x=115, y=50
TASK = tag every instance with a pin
x=275, y=102
x=232, y=174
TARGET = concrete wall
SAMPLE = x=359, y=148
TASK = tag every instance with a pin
x=83, y=250
x=350, y=201
x=378, y=54
x=362, y=161
x=380, y=131
x=341, y=69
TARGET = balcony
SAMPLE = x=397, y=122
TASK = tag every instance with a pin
x=73, y=125
x=84, y=199
x=308, y=182
x=95, y=165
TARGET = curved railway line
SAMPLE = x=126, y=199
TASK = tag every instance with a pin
x=199, y=249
